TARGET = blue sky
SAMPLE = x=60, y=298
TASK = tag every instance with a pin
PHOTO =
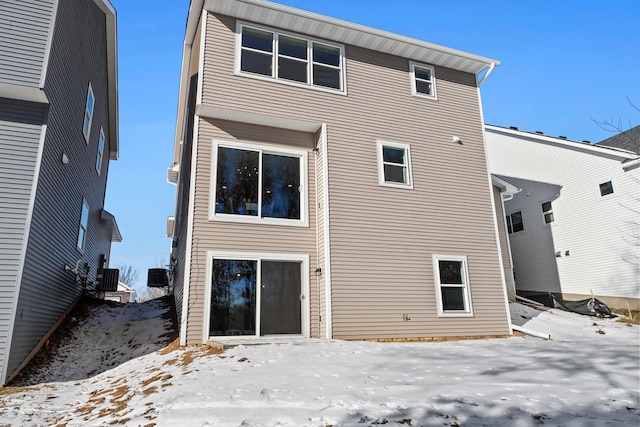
x=564, y=63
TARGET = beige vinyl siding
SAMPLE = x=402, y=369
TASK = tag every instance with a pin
x=243, y=237
x=320, y=280
x=382, y=239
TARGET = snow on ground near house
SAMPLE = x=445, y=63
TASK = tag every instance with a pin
x=579, y=378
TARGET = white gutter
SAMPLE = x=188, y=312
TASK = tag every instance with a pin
x=491, y=68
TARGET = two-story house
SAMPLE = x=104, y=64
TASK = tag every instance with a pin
x=331, y=182
x=574, y=226
x=58, y=132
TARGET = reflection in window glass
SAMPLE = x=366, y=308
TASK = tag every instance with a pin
x=423, y=80
x=240, y=174
x=84, y=224
x=514, y=222
x=280, y=186
x=233, y=298
x=237, y=182
x=257, y=48
x=606, y=188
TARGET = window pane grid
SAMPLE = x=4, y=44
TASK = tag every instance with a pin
x=258, y=184
x=290, y=58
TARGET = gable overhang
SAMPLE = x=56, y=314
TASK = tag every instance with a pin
x=111, y=220
x=598, y=150
x=300, y=21
x=507, y=190
x=112, y=75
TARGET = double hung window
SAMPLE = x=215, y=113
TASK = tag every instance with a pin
x=84, y=224
x=452, y=283
x=514, y=222
x=547, y=212
x=254, y=183
x=394, y=164
x=100, y=154
x=423, y=80
x=290, y=58
x=88, y=114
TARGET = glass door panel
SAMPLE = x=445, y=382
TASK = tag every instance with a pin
x=280, y=304
x=233, y=298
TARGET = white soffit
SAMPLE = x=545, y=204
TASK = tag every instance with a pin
x=324, y=27
x=256, y=118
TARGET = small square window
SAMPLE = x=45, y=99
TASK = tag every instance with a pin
x=452, y=285
x=514, y=222
x=423, y=80
x=88, y=114
x=547, y=212
x=606, y=188
x=394, y=164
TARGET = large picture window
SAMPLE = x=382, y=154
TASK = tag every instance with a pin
x=253, y=183
x=285, y=57
x=452, y=285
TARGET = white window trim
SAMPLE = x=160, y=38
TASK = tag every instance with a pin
x=381, y=180
x=414, y=90
x=273, y=78
x=467, y=286
x=304, y=190
x=87, y=134
x=258, y=256
x=100, y=153
x=84, y=227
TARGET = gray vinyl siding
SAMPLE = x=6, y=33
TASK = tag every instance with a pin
x=382, y=239
x=78, y=56
x=20, y=130
x=24, y=31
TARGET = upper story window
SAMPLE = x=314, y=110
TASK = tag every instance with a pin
x=394, y=164
x=88, y=114
x=84, y=224
x=423, y=80
x=606, y=188
x=260, y=184
x=100, y=154
x=547, y=212
x=452, y=285
x=288, y=58
x=514, y=222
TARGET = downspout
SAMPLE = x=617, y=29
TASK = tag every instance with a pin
x=491, y=67
x=327, y=236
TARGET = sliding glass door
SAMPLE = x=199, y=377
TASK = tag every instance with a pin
x=241, y=307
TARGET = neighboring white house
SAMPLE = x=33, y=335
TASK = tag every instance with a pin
x=574, y=228
x=123, y=294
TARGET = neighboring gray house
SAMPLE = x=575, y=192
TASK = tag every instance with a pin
x=58, y=132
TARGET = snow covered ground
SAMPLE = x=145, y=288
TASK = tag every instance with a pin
x=111, y=372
